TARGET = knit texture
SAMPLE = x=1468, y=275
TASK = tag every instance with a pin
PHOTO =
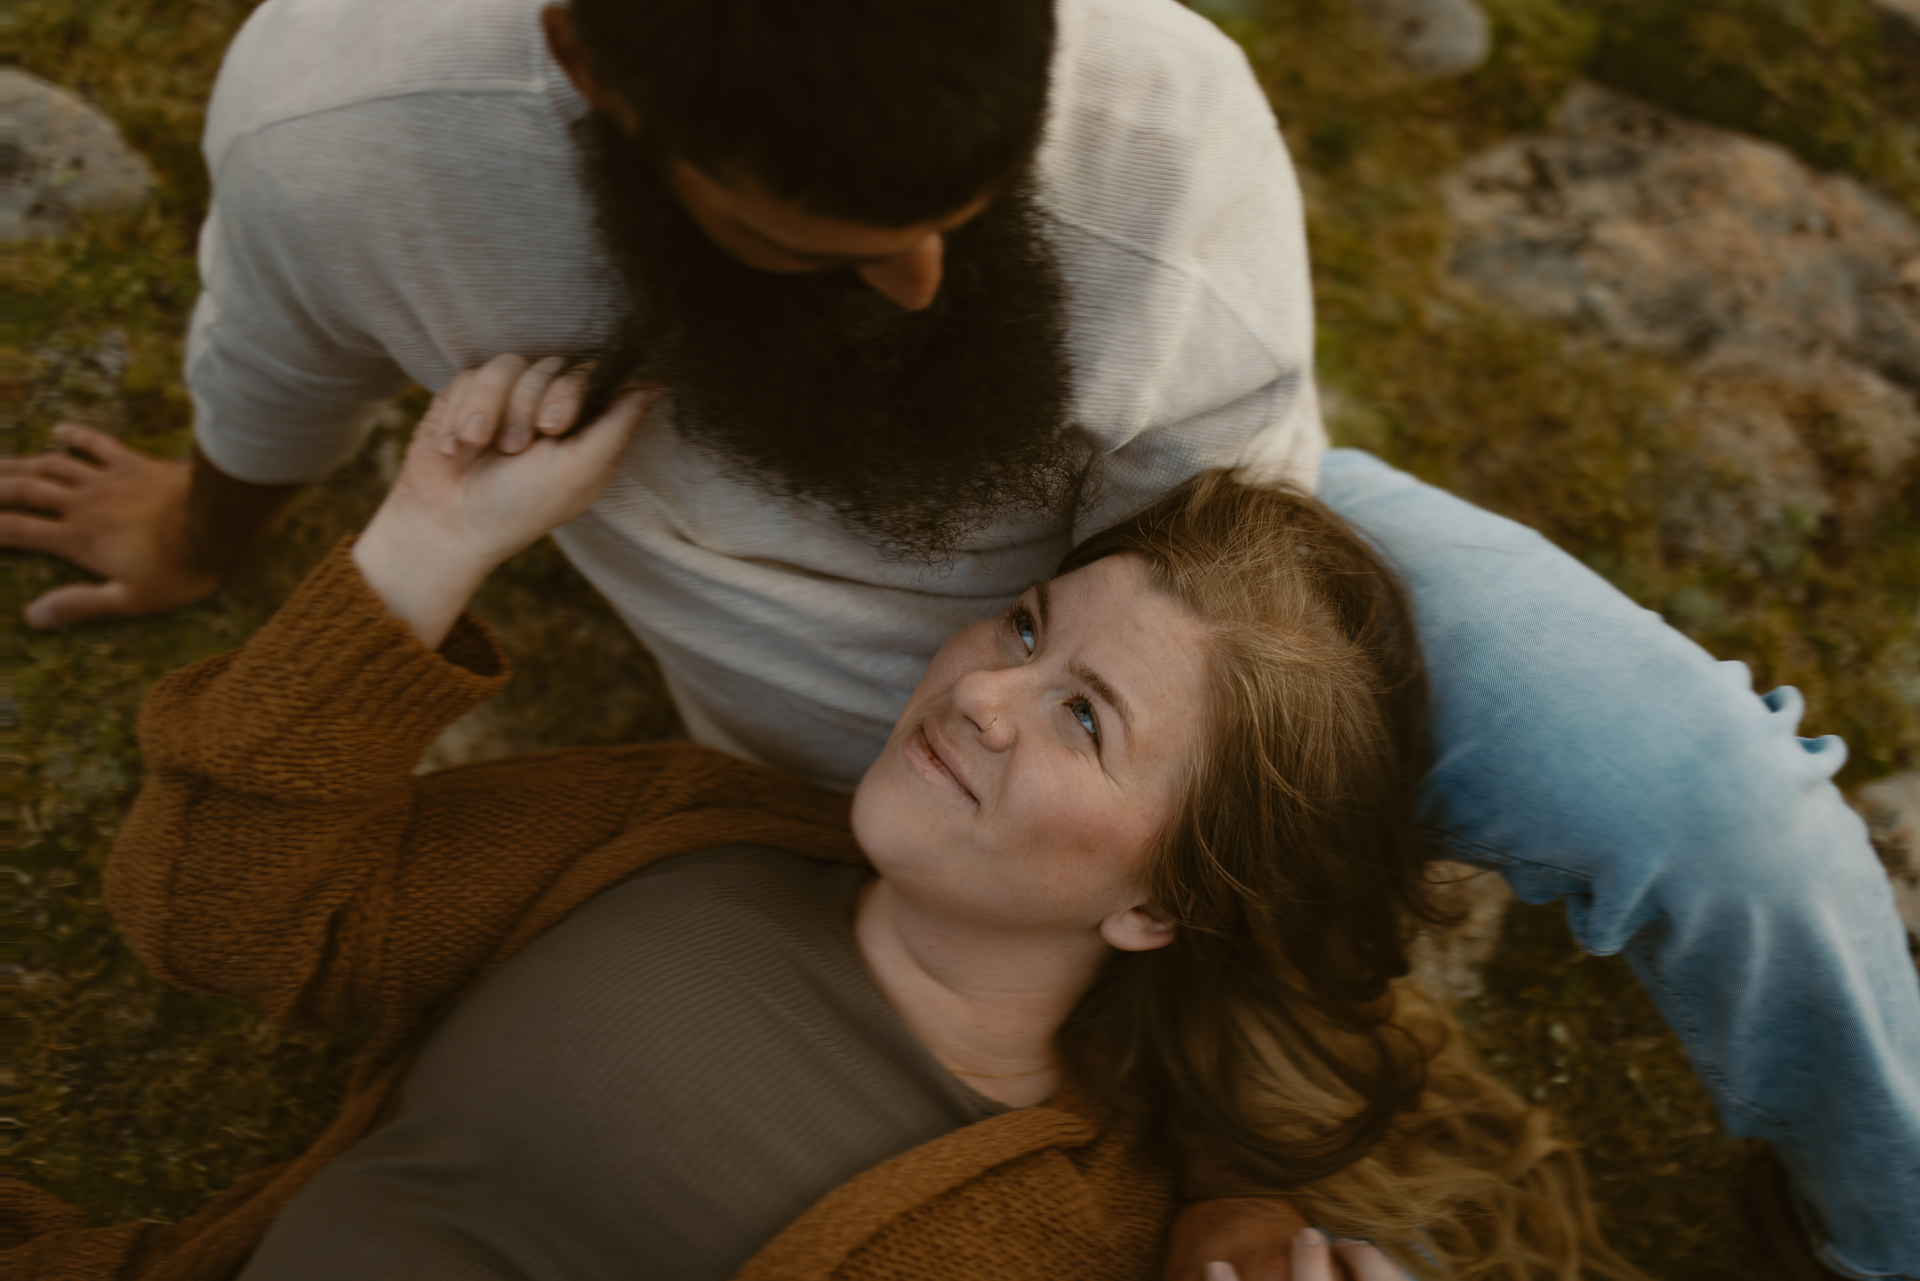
x=282, y=851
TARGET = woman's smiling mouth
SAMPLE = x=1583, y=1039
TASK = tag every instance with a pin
x=924, y=755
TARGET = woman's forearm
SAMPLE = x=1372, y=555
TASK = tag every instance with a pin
x=280, y=797
x=421, y=574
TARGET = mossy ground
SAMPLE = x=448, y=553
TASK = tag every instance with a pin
x=136, y=1101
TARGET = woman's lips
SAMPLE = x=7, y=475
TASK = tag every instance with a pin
x=923, y=753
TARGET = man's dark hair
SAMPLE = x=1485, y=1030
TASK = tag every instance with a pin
x=883, y=112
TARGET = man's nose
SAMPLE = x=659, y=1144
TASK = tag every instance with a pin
x=911, y=278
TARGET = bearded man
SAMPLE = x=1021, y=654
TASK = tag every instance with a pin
x=937, y=288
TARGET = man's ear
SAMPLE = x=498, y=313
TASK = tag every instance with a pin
x=1138, y=929
x=563, y=42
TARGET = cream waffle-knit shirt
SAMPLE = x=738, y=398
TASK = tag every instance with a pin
x=395, y=200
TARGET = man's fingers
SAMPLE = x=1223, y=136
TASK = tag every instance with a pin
x=62, y=467
x=36, y=534
x=483, y=402
x=79, y=603
x=1218, y=1271
x=97, y=444
x=523, y=403
x=31, y=491
x=55, y=466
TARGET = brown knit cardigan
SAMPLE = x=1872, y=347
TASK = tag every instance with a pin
x=283, y=851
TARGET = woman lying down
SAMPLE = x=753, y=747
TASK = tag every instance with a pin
x=1124, y=898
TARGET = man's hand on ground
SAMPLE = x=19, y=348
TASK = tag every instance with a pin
x=109, y=509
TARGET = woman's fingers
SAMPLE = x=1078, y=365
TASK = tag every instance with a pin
x=561, y=403
x=482, y=406
x=436, y=425
x=1312, y=1257
x=1218, y=1271
x=523, y=403
x=1366, y=1262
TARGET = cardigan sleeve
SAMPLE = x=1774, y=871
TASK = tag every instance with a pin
x=283, y=851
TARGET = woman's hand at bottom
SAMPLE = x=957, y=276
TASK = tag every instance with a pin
x=1314, y=1258
x=458, y=510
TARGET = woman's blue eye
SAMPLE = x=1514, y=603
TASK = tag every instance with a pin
x=1083, y=712
x=1023, y=628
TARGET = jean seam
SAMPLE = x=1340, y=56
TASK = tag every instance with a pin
x=1691, y=1037
x=1703, y=1063
x=1473, y=851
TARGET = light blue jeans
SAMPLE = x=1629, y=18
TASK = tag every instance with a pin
x=1592, y=753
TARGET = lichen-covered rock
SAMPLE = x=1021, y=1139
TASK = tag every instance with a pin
x=1433, y=38
x=58, y=156
x=1904, y=12
x=1677, y=237
x=1790, y=446
x=1892, y=810
x=1447, y=963
x=1794, y=296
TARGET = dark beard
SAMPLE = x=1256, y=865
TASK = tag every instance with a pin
x=917, y=429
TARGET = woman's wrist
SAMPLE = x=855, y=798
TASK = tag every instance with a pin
x=424, y=577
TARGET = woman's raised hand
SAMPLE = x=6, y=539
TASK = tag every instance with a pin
x=459, y=508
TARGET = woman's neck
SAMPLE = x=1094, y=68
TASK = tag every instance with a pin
x=987, y=1002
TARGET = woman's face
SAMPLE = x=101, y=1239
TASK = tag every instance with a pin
x=1041, y=754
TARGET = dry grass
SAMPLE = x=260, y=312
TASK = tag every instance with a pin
x=137, y=1101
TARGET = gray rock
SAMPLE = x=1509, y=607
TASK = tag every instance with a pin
x=1447, y=963
x=1905, y=13
x=1786, y=445
x=1793, y=295
x=1434, y=38
x=1892, y=810
x=1677, y=237
x=58, y=156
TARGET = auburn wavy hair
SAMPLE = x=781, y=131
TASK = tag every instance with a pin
x=1273, y=1036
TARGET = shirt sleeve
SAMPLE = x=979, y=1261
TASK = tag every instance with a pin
x=1181, y=235
x=283, y=851
x=284, y=376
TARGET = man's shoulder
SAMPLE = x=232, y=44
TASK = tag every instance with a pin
x=1151, y=104
x=1160, y=144
x=1154, y=46
x=301, y=58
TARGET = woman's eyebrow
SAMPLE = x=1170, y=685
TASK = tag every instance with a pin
x=1040, y=598
x=1108, y=695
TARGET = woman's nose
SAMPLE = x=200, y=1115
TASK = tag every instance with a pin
x=986, y=698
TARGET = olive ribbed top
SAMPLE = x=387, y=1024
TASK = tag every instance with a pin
x=655, y=1088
